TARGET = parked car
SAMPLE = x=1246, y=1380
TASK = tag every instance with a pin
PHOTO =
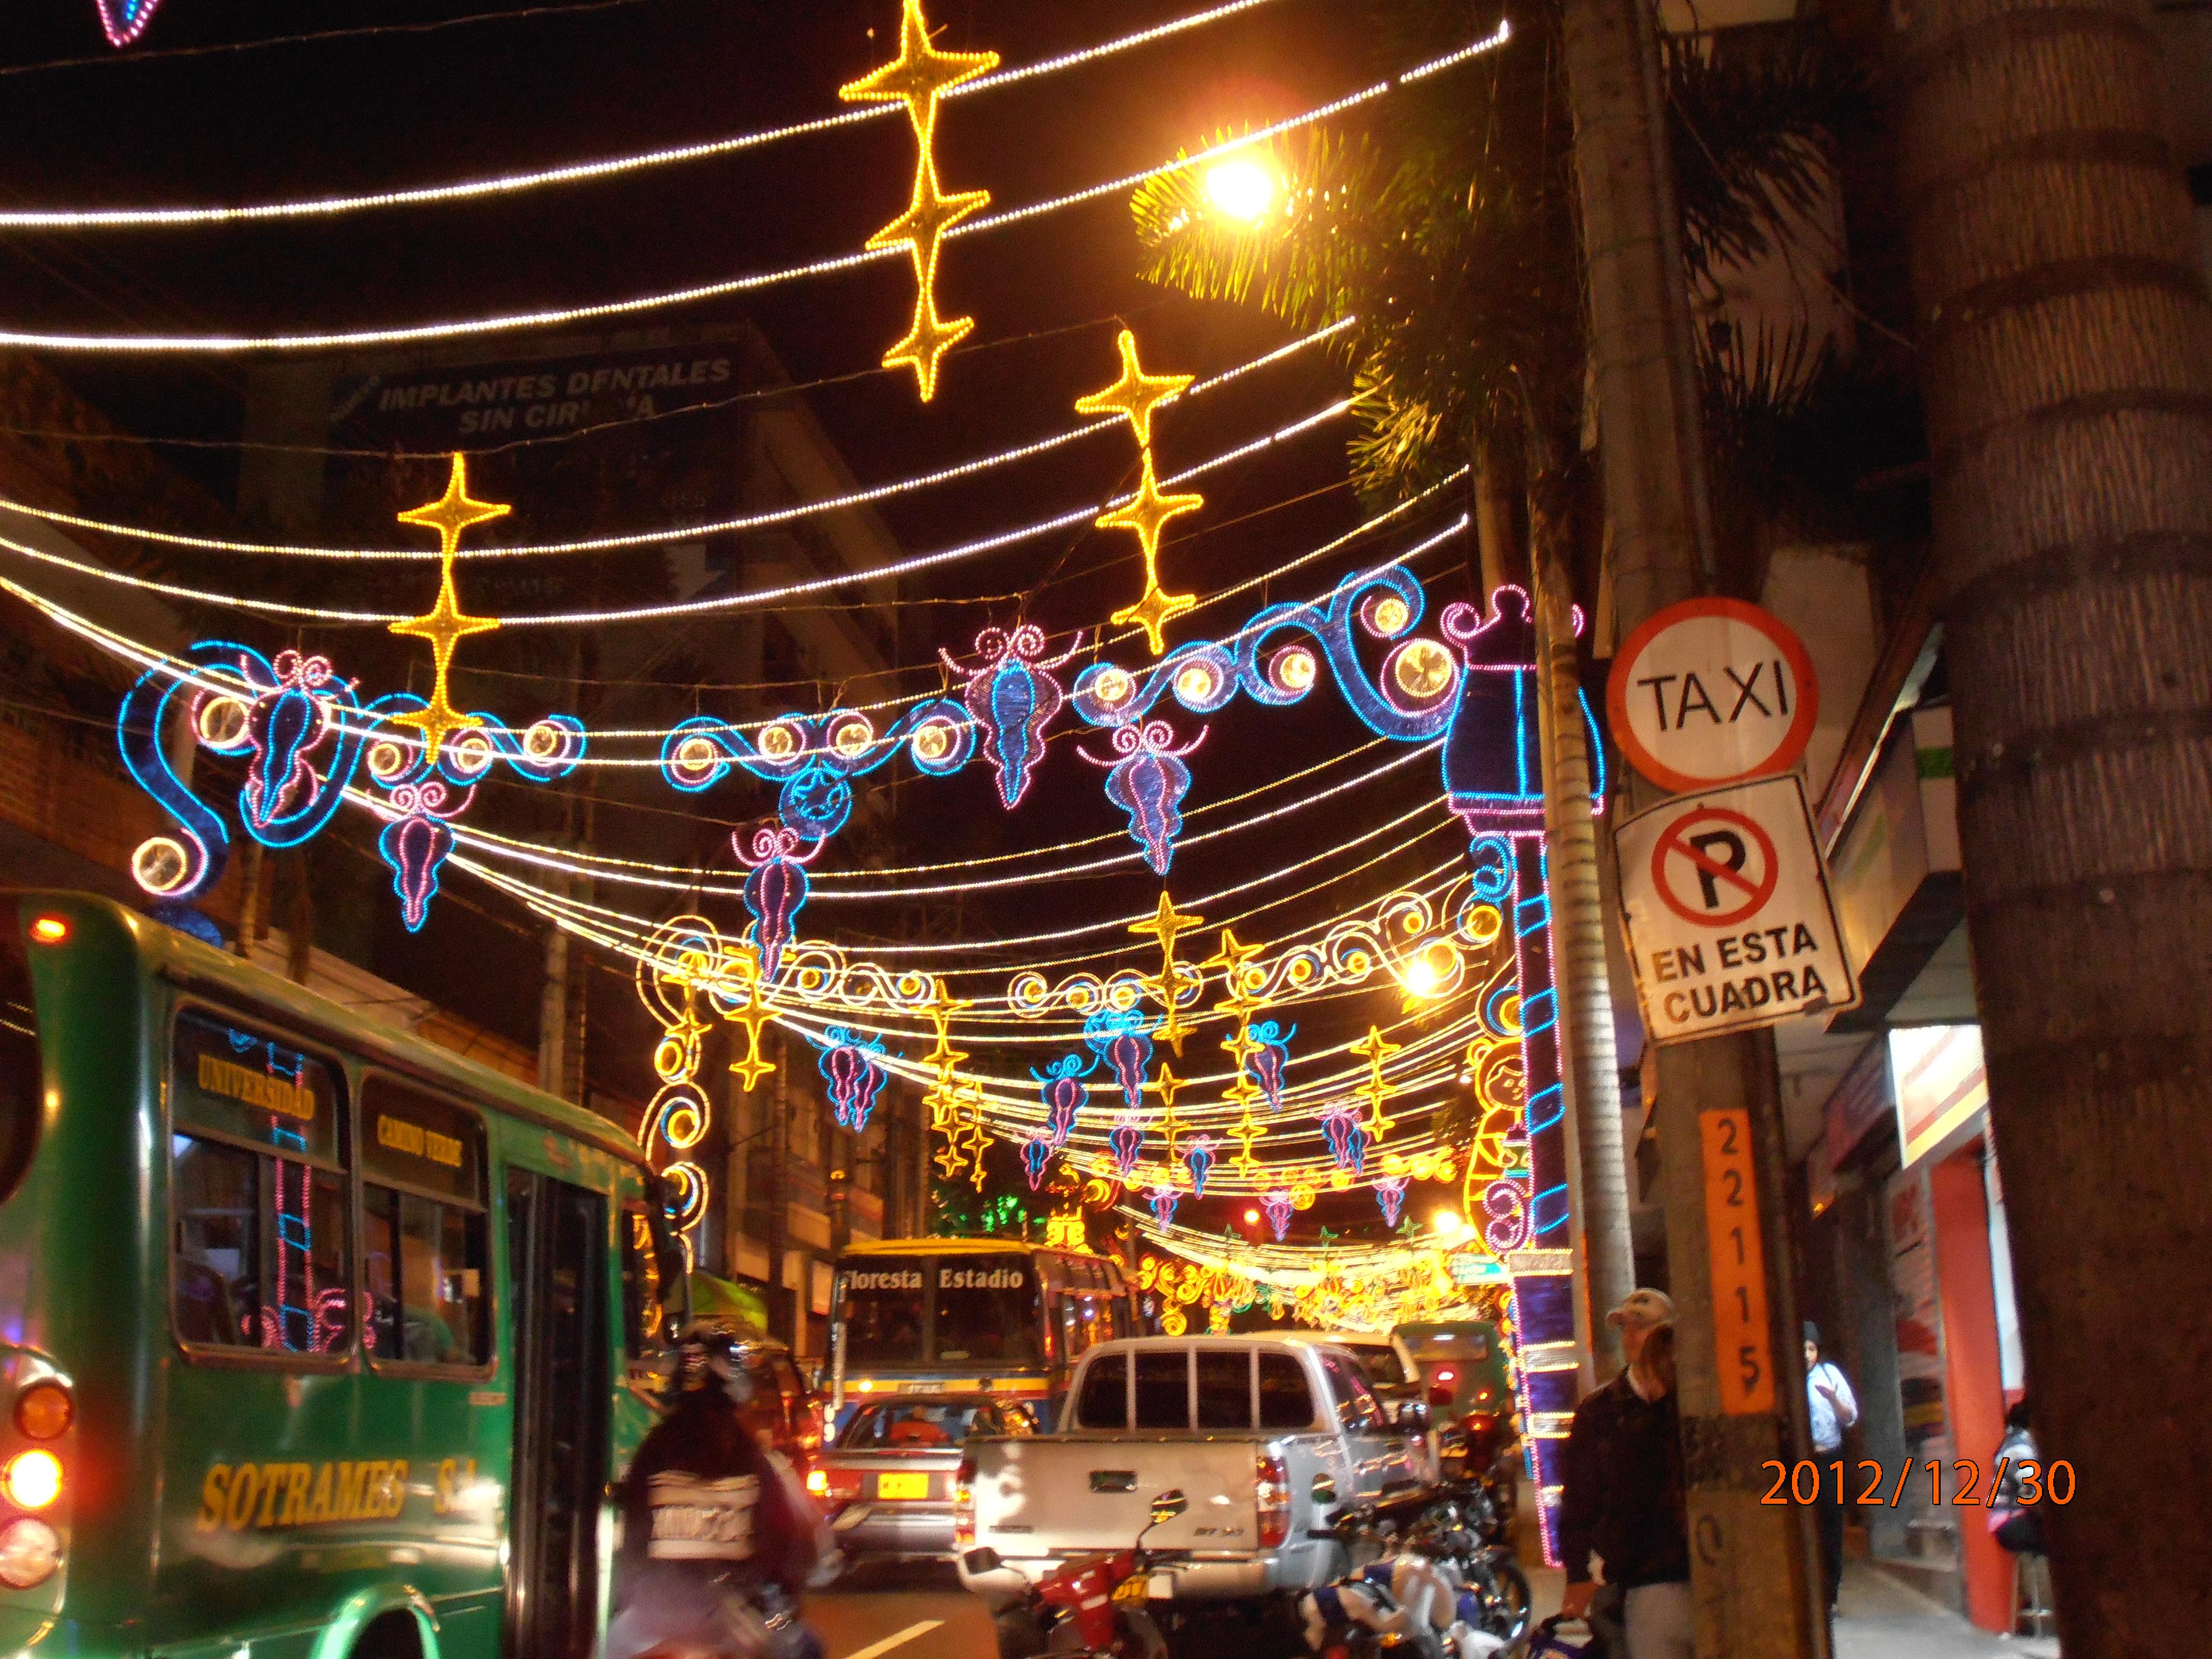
x=885, y=1484
x=1266, y=1437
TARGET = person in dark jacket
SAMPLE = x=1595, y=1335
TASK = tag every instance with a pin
x=1622, y=1500
x=718, y=1537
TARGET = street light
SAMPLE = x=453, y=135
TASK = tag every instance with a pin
x=1251, y=1216
x=1447, y=1223
x=1243, y=188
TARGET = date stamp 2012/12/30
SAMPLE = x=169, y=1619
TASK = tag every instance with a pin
x=1810, y=1482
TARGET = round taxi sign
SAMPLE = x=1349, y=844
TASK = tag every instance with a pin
x=1711, y=692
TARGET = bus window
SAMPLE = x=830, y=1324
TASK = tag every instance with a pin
x=20, y=1081
x=987, y=1311
x=424, y=1246
x=259, y=1246
x=640, y=1284
x=883, y=1312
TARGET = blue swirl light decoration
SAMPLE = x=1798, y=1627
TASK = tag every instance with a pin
x=1063, y=1093
x=1122, y=1038
x=1475, y=689
x=1271, y=1058
x=1148, y=782
x=1012, y=698
x=852, y=1072
x=812, y=760
x=306, y=738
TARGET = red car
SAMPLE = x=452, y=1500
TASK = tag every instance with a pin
x=886, y=1483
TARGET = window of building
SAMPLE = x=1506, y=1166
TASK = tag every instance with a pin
x=425, y=1246
x=258, y=1193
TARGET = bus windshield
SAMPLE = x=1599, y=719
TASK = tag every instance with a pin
x=883, y=1310
x=987, y=1312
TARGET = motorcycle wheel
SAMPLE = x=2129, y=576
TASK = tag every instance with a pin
x=1506, y=1613
x=1021, y=1634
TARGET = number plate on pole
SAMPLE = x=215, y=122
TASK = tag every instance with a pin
x=1742, y=1351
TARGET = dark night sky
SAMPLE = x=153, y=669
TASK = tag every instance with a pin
x=160, y=124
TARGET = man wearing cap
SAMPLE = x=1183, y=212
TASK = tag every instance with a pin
x=1622, y=1500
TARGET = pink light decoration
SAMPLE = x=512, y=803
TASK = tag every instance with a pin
x=1148, y=782
x=1507, y=1207
x=123, y=20
x=1271, y=1058
x=1390, y=1193
x=1013, y=699
x=1164, y=1201
x=1280, y=1207
x=1347, y=1137
x=776, y=889
x=1036, y=1152
x=1126, y=1138
x=416, y=842
x=1198, y=1158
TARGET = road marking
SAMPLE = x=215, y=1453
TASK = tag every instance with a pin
x=898, y=1638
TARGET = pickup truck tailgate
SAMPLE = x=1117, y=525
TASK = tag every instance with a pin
x=1068, y=1494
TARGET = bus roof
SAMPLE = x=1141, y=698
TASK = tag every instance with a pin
x=185, y=961
x=954, y=1247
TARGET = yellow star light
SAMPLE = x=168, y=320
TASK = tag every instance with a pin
x=918, y=74
x=1148, y=512
x=1165, y=924
x=445, y=624
x=949, y=1162
x=929, y=337
x=1134, y=394
x=928, y=217
x=1246, y=1131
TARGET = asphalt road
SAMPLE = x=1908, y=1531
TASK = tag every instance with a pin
x=901, y=1612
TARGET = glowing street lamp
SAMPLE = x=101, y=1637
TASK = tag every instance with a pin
x=1447, y=1223
x=1242, y=187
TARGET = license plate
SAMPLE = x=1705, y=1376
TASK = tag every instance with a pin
x=1132, y=1589
x=901, y=1486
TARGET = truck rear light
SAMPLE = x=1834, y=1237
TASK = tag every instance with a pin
x=51, y=930
x=44, y=1411
x=964, y=1505
x=29, y=1552
x=1271, y=1496
x=32, y=1479
x=817, y=1482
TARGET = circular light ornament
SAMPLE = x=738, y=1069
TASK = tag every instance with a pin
x=1113, y=687
x=1294, y=669
x=220, y=721
x=544, y=741
x=44, y=1411
x=161, y=864
x=469, y=754
x=932, y=741
x=32, y=1479
x=1195, y=682
x=695, y=760
x=1387, y=616
x=29, y=1552
x=852, y=738
x=387, y=759
x=1423, y=669
x=779, y=742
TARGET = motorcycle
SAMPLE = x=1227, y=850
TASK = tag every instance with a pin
x=1434, y=1591
x=1093, y=1605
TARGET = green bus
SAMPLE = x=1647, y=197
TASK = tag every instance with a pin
x=315, y=1339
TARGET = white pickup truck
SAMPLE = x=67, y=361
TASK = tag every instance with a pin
x=1266, y=1439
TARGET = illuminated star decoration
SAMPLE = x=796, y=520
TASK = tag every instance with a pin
x=1148, y=511
x=915, y=78
x=1375, y=1048
x=1164, y=924
x=445, y=625
x=752, y=1014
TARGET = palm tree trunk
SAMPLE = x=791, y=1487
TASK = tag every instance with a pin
x=1585, y=993
x=2067, y=366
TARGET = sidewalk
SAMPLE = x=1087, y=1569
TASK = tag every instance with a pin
x=1877, y=1617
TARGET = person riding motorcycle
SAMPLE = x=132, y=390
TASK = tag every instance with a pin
x=718, y=1537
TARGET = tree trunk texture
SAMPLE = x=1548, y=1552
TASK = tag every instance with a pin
x=2067, y=368
x=1585, y=991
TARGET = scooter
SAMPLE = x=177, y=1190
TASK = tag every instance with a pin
x=1092, y=1605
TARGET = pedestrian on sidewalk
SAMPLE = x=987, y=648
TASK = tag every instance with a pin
x=1834, y=1408
x=2014, y=1518
x=1622, y=1500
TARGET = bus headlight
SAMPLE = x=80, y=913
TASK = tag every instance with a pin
x=29, y=1552
x=32, y=1479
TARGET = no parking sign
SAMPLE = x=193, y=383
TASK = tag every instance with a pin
x=1730, y=922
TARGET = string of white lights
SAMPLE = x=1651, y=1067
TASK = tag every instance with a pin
x=510, y=184
x=698, y=883
x=349, y=339
x=709, y=605
x=635, y=538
